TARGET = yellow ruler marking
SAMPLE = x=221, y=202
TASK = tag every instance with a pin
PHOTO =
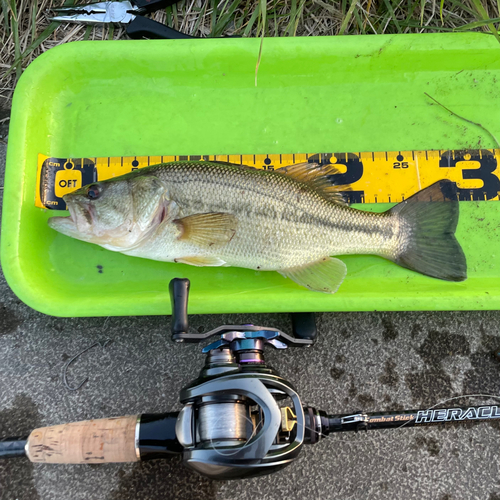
x=373, y=177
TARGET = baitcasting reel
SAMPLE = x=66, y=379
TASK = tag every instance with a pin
x=239, y=417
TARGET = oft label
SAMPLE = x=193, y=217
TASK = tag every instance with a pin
x=59, y=176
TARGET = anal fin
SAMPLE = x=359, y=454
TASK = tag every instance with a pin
x=325, y=275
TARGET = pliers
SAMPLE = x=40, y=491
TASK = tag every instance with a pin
x=129, y=13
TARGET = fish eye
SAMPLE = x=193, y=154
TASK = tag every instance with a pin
x=93, y=192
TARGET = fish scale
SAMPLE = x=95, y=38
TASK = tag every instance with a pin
x=281, y=223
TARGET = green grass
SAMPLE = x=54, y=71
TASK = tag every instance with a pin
x=25, y=29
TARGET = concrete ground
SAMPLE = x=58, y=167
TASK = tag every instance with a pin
x=366, y=361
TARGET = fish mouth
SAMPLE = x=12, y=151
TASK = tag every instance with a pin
x=64, y=225
x=77, y=225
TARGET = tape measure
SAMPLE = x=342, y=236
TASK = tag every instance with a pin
x=382, y=177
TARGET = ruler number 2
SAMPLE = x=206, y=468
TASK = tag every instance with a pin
x=400, y=164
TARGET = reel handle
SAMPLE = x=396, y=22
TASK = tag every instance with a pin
x=304, y=325
x=179, y=295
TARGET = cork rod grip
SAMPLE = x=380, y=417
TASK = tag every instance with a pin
x=87, y=442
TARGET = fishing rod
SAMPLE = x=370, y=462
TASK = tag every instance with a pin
x=239, y=418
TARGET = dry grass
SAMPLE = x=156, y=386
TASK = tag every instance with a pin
x=25, y=30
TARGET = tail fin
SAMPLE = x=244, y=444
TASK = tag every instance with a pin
x=428, y=222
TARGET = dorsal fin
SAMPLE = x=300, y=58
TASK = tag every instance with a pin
x=316, y=176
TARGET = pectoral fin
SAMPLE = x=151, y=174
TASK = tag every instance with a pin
x=325, y=275
x=207, y=230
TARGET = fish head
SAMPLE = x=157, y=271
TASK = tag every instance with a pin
x=117, y=213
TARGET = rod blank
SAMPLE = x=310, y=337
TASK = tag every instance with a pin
x=11, y=447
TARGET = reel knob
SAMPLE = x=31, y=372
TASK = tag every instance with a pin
x=179, y=295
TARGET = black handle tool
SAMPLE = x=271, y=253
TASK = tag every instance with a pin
x=129, y=13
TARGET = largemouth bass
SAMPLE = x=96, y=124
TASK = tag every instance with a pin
x=293, y=221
